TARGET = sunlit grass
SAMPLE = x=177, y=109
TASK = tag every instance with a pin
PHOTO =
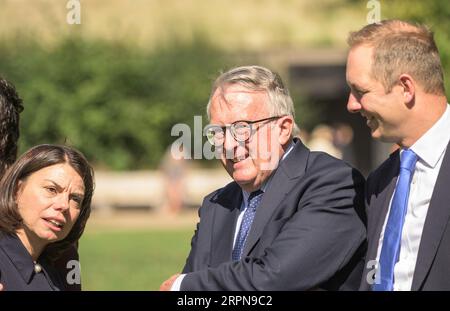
x=123, y=260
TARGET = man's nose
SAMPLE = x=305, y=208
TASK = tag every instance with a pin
x=353, y=105
x=229, y=141
x=230, y=145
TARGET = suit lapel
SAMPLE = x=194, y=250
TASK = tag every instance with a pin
x=224, y=223
x=284, y=178
x=435, y=223
x=381, y=207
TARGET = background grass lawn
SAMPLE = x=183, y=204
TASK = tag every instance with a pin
x=132, y=260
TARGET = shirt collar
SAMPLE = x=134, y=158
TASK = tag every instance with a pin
x=265, y=185
x=18, y=255
x=431, y=146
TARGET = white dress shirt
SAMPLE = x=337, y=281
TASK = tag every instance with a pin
x=177, y=284
x=430, y=149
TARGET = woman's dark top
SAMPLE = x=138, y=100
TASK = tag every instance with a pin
x=17, y=269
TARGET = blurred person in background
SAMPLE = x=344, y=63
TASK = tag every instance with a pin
x=11, y=106
x=343, y=141
x=291, y=219
x=322, y=139
x=174, y=167
x=396, y=79
x=45, y=202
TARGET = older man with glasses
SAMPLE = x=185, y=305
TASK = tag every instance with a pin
x=291, y=219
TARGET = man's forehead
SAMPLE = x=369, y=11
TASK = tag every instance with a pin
x=359, y=62
x=238, y=95
x=361, y=54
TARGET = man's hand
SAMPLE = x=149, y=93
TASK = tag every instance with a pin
x=167, y=284
x=1, y=287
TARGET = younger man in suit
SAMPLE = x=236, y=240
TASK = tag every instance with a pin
x=396, y=80
x=291, y=219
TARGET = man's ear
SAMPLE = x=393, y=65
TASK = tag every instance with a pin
x=286, y=125
x=408, y=88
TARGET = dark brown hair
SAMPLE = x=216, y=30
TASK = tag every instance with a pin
x=10, y=107
x=32, y=161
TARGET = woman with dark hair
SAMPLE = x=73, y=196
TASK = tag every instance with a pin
x=45, y=201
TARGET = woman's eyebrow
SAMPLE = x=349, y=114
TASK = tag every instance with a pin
x=59, y=187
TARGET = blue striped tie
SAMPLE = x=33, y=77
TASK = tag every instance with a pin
x=253, y=202
x=393, y=231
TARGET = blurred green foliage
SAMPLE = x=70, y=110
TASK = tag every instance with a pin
x=115, y=102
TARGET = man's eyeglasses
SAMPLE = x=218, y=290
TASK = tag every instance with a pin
x=240, y=130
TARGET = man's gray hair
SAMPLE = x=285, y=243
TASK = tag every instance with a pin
x=258, y=78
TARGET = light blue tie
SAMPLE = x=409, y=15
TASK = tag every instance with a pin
x=393, y=231
x=253, y=202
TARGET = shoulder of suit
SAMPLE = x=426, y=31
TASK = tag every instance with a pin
x=323, y=159
x=232, y=187
x=223, y=197
x=323, y=168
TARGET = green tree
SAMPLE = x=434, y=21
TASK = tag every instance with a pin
x=114, y=102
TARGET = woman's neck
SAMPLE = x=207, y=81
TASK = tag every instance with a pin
x=32, y=243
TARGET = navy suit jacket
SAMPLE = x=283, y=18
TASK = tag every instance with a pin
x=308, y=231
x=432, y=270
x=17, y=268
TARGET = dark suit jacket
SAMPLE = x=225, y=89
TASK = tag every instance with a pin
x=306, y=234
x=17, y=268
x=433, y=261
x=61, y=265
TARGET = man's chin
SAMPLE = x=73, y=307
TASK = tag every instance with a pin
x=244, y=181
x=383, y=137
x=376, y=134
